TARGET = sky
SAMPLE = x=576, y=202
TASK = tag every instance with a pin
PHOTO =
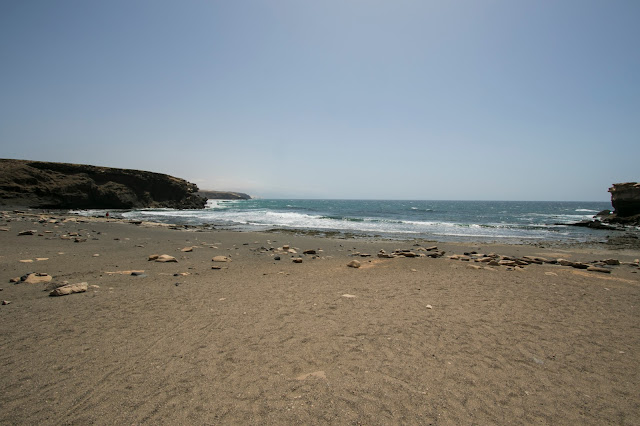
x=339, y=99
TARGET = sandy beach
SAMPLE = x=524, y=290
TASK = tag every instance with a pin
x=404, y=340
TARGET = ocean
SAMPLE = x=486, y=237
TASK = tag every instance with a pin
x=482, y=221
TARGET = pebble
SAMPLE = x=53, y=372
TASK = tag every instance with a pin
x=187, y=249
x=297, y=260
x=6, y=302
x=220, y=259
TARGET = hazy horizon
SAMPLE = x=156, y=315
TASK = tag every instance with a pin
x=404, y=100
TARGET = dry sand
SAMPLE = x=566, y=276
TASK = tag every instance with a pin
x=261, y=341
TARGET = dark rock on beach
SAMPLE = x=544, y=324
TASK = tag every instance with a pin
x=38, y=184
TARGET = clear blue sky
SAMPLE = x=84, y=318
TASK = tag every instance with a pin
x=477, y=99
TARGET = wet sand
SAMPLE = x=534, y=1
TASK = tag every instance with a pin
x=265, y=341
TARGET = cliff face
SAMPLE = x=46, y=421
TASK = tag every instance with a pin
x=625, y=198
x=40, y=184
x=224, y=195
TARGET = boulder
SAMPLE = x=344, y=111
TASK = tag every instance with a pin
x=625, y=199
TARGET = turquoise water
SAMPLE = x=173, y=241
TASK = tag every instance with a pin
x=504, y=221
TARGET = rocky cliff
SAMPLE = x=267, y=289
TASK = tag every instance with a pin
x=625, y=199
x=40, y=184
x=224, y=195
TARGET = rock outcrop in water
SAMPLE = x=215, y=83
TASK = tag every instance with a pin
x=39, y=184
x=224, y=195
x=625, y=198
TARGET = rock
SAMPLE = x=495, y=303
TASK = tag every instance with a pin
x=28, y=232
x=164, y=258
x=70, y=289
x=625, y=199
x=216, y=267
x=286, y=247
x=15, y=280
x=6, y=302
x=429, y=307
x=37, y=278
x=474, y=267
x=432, y=248
x=580, y=265
x=386, y=255
x=535, y=259
x=40, y=184
x=354, y=264
x=494, y=263
x=611, y=261
x=187, y=249
x=311, y=251
x=565, y=262
x=276, y=258
x=221, y=259
x=349, y=296
x=138, y=274
x=153, y=257
x=223, y=195
x=26, y=261
x=599, y=269
x=297, y=260
x=407, y=254
x=505, y=262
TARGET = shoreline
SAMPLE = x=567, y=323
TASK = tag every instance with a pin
x=624, y=237
x=260, y=340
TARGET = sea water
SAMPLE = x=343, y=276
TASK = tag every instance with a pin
x=502, y=221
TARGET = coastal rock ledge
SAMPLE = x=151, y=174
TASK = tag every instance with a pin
x=38, y=184
x=625, y=199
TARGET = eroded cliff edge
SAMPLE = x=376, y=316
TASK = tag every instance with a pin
x=625, y=199
x=39, y=184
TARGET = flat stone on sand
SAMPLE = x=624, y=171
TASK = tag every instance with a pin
x=69, y=289
x=599, y=269
x=37, y=278
x=221, y=259
x=165, y=258
x=354, y=264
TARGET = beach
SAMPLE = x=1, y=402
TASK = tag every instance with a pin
x=254, y=340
